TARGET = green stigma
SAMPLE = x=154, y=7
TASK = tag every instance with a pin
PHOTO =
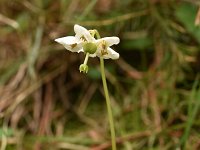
x=83, y=68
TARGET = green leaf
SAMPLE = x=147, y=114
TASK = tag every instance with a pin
x=94, y=73
x=186, y=14
x=24, y=21
x=8, y=132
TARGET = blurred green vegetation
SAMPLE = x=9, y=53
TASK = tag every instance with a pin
x=45, y=103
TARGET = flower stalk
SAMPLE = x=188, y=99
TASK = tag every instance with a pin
x=90, y=42
x=84, y=67
x=108, y=102
x=86, y=59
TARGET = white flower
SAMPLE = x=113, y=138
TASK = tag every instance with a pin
x=83, y=36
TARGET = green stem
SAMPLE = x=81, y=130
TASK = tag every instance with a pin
x=110, y=115
x=108, y=102
x=86, y=59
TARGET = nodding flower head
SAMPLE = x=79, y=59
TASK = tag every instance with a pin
x=84, y=41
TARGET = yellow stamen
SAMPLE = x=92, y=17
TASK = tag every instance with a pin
x=83, y=38
x=104, y=48
x=73, y=45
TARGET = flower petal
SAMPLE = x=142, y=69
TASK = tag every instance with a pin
x=70, y=43
x=66, y=40
x=110, y=40
x=111, y=54
x=81, y=50
x=82, y=32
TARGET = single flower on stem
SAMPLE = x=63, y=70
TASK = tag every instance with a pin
x=84, y=41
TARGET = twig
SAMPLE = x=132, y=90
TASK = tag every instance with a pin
x=26, y=92
x=193, y=1
x=197, y=20
x=9, y=21
x=112, y=20
x=71, y=146
x=133, y=73
x=121, y=140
